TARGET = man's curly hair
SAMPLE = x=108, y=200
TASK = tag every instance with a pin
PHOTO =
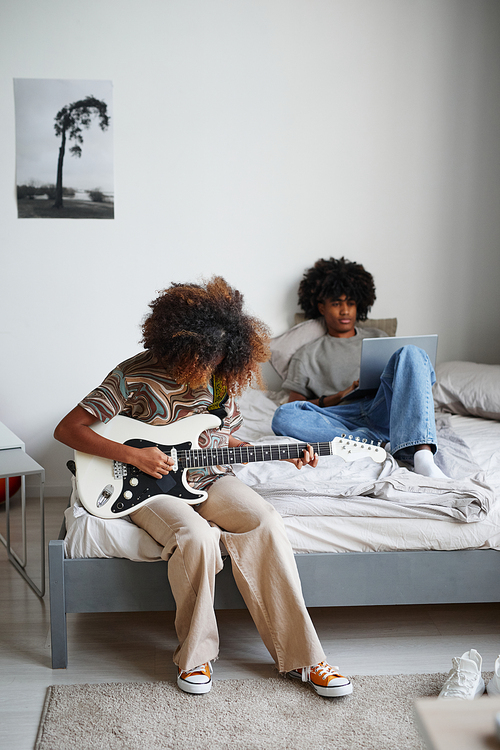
x=329, y=279
x=199, y=329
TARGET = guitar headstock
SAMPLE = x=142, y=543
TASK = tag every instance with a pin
x=351, y=448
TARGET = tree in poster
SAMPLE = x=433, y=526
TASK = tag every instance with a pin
x=69, y=123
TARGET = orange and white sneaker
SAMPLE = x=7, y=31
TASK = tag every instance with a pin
x=197, y=680
x=326, y=680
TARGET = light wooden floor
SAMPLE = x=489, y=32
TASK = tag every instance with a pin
x=138, y=647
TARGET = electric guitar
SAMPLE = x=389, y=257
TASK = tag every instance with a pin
x=110, y=489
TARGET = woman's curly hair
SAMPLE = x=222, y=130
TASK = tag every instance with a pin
x=199, y=329
x=330, y=279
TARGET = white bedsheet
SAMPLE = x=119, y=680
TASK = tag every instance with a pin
x=319, y=518
x=378, y=534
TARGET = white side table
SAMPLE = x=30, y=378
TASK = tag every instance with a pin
x=15, y=462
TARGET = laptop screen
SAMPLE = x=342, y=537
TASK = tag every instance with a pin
x=375, y=353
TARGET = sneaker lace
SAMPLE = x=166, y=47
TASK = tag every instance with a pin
x=458, y=681
x=202, y=669
x=322, y=669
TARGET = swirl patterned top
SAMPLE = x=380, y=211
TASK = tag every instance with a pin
x=141, y=388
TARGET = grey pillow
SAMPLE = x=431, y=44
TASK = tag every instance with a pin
x=468, y=388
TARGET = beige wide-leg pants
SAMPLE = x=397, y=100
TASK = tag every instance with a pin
x=264, y=569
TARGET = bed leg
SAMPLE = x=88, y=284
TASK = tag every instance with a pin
x=58, y=632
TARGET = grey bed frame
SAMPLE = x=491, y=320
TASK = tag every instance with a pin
x=343, y=579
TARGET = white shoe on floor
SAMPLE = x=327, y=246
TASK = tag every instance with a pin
x=493, y=687
x=197, y=681
x=465, y=680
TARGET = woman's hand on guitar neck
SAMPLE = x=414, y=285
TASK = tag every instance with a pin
x=309, y=458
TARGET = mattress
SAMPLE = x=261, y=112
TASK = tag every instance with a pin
x=318, y=518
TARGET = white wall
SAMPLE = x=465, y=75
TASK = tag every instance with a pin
x=251, y=138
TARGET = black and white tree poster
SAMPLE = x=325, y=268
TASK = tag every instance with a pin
x=64, y=149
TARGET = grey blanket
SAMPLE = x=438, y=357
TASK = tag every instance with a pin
x=388, y=490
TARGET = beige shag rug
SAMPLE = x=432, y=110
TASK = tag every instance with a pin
x=261, y=714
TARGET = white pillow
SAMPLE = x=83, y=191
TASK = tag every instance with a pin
x=284, y=347
x=469, y=389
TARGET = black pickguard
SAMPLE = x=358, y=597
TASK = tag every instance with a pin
x=147, y=486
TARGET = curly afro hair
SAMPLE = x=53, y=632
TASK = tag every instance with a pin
x=199, y=329
x=330, y=279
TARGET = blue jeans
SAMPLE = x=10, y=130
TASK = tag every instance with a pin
x=401, y=411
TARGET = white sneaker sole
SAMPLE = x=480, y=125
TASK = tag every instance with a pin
x=194, y=688
x=332, y=692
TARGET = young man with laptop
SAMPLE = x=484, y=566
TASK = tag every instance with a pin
x=325, y=398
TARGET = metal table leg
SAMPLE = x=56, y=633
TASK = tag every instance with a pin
x=13, y=463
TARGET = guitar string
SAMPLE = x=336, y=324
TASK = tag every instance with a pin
x=242, y=454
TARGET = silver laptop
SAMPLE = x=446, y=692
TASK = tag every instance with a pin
x=375, y=354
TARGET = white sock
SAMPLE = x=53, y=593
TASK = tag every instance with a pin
x=423, y=462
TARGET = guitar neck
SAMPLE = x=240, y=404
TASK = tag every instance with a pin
x=247, y=454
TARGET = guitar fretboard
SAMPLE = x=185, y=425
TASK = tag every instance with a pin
x=251, y=453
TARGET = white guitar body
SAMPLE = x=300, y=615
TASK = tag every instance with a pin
x=109, y=489
x=96, y=477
